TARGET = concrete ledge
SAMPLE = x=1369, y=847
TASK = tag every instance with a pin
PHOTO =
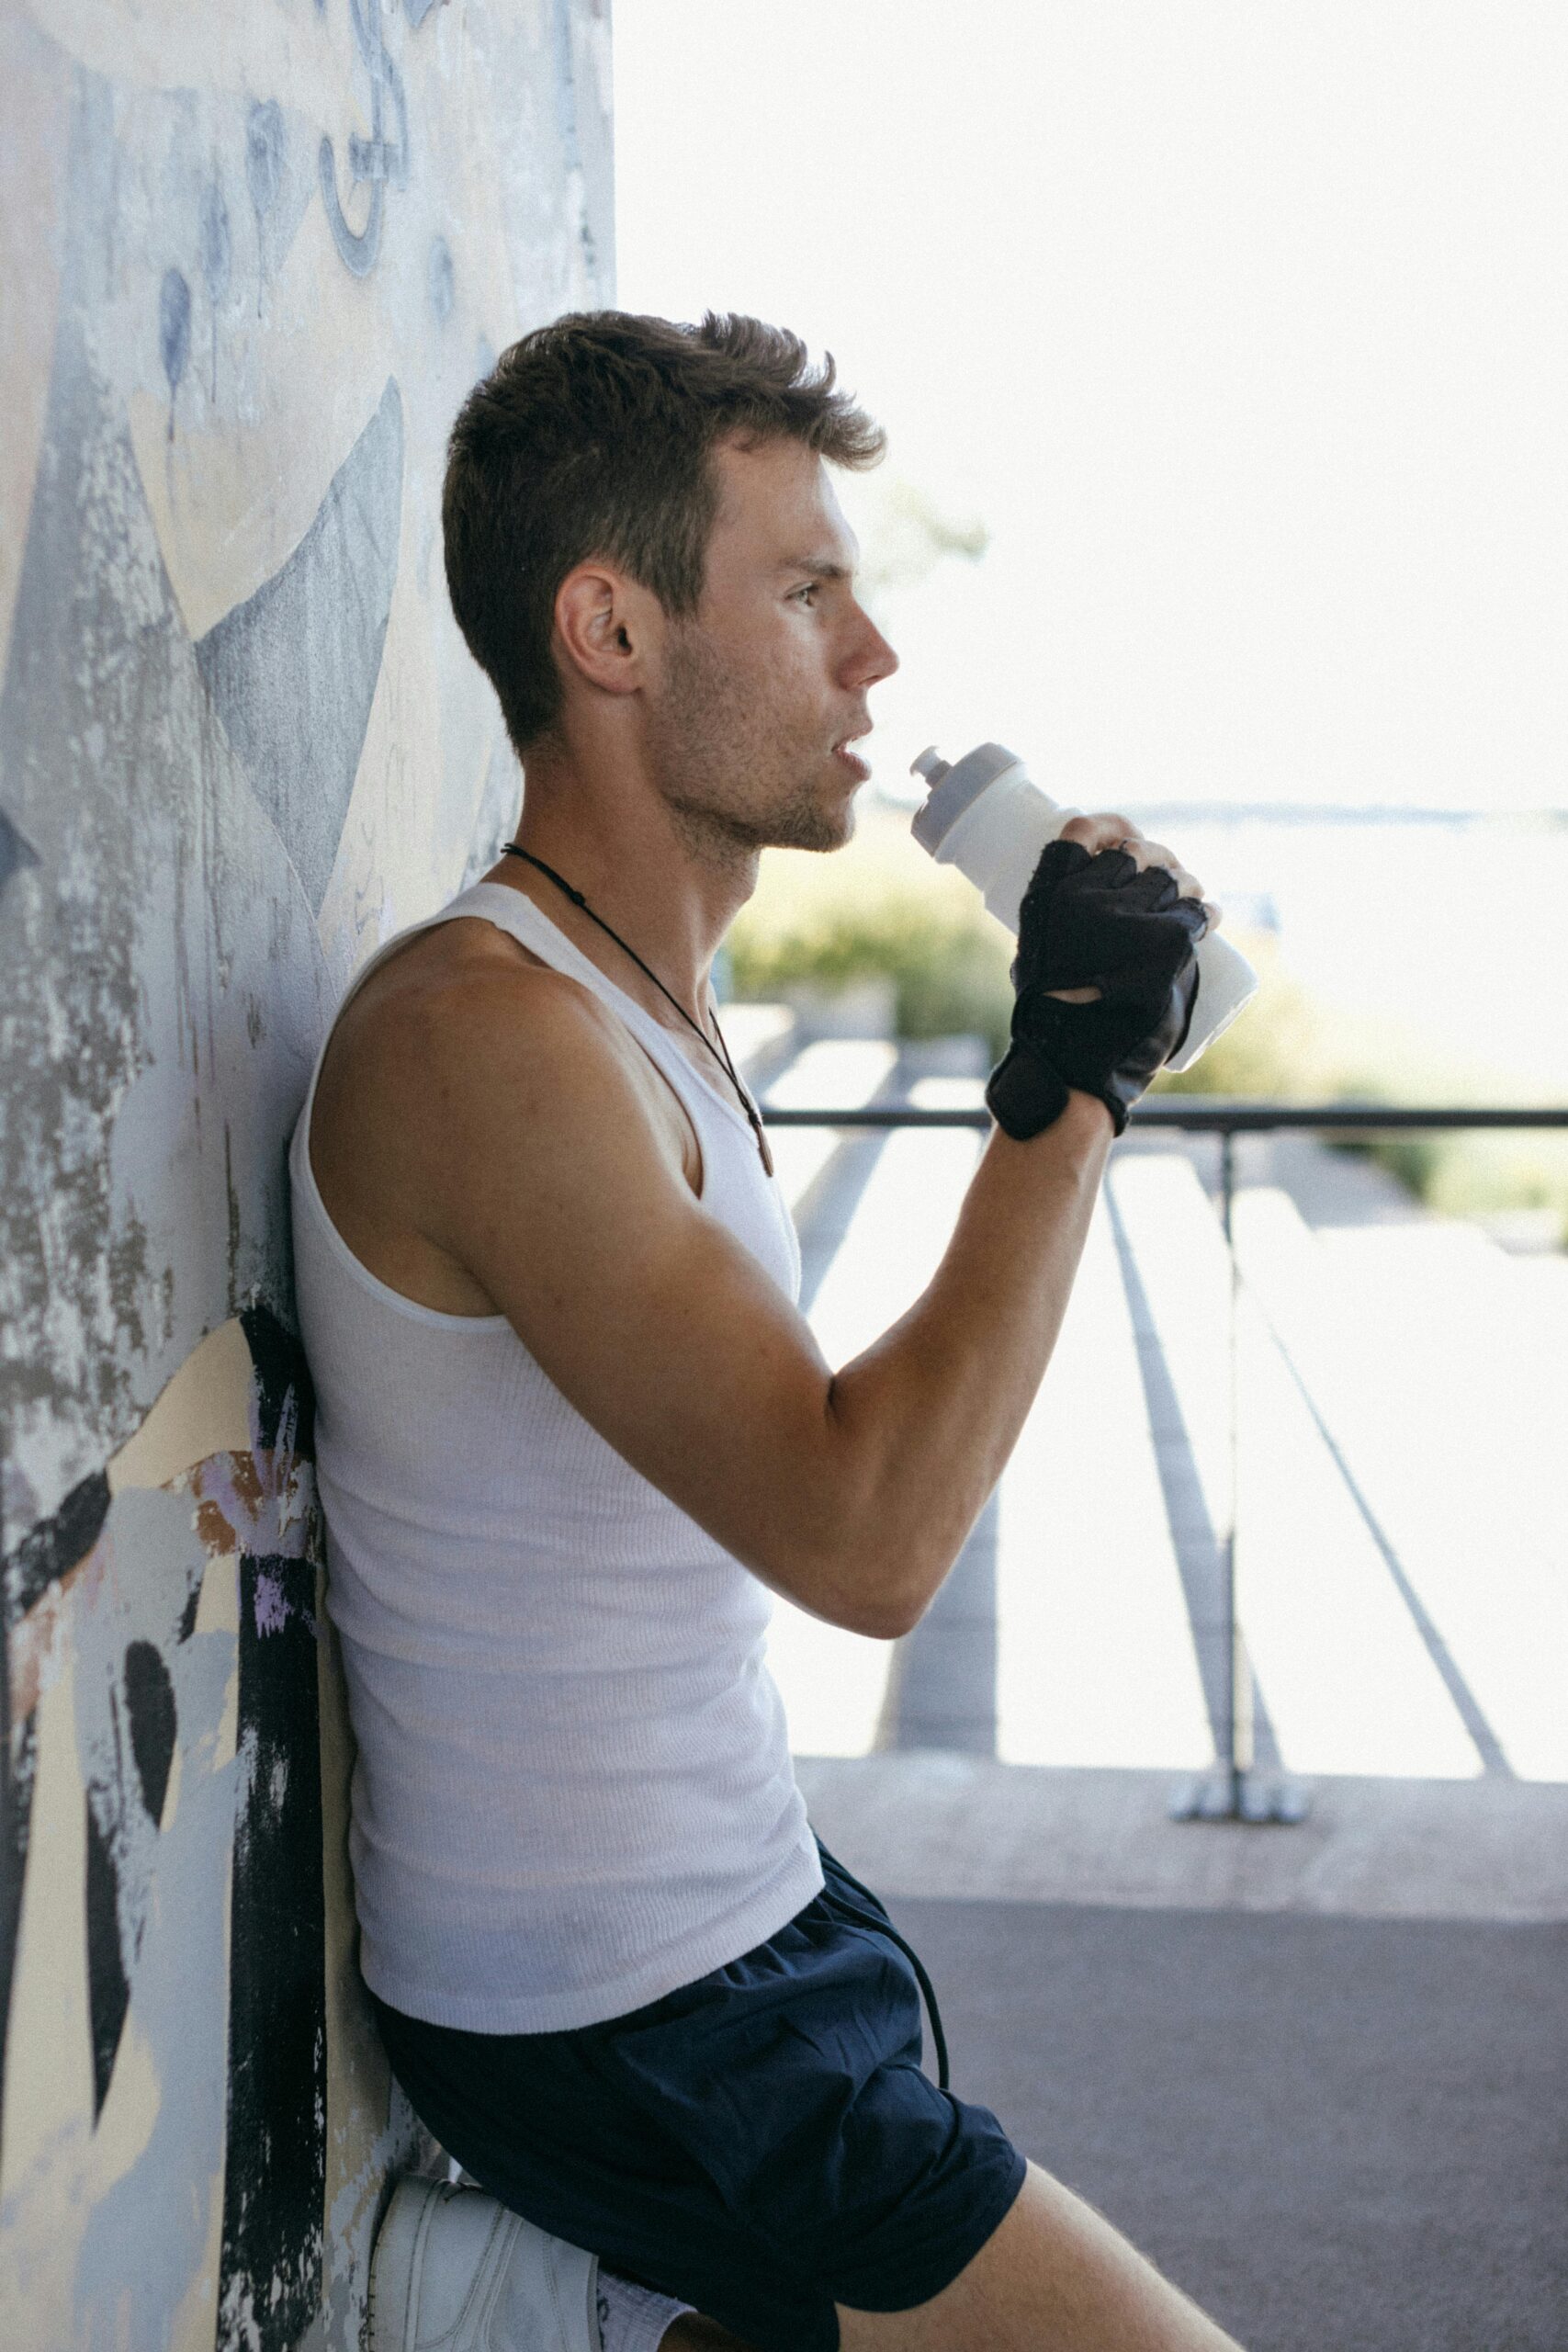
x=930, y=1823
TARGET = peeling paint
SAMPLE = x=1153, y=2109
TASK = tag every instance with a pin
x=239, y=742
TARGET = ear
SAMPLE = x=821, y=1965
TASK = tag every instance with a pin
x=602, y=624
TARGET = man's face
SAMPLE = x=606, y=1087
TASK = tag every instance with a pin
x=760, y=693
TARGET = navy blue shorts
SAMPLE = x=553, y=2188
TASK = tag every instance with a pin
x=762, y=2144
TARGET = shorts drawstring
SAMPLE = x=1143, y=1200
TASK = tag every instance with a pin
x=884, y=1927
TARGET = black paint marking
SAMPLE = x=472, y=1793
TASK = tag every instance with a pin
x=149, y=1704
x=109, y=1993
x=186, y=1625
x=55, y=1545
x=17, y=852
x=274, y=2178
x=292, y=671
x=282, y=1389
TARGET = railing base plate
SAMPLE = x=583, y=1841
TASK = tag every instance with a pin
x=1262, y=1799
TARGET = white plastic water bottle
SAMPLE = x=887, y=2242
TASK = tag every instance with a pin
x=986, y=817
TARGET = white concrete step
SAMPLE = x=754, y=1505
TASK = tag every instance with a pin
x=1347, y=1680
x=1096, y=1662
x=1439, y=1365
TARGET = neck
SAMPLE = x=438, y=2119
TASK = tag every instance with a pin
x=670, y=896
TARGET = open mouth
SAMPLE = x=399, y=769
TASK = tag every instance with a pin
x=850, y=759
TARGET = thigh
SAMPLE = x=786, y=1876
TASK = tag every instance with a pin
x=1054, y=2272
x=762, y=2144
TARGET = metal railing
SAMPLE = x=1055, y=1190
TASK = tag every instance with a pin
x=1233, y=1788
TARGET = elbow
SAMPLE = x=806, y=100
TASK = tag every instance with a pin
x=887, y=1620
x=881, y=1600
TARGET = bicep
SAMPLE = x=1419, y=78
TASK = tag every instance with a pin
x=660, y=1328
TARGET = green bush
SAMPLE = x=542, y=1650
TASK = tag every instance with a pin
x=1475, y=1174
x=1278, y=1050
x=1285, y=1048
x=949, y=969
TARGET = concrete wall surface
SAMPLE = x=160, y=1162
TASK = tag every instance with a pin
x=251, y=258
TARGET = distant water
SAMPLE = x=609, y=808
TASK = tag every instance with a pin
x=1454, y=924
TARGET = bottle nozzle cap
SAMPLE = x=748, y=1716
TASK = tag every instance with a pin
x=930, y=764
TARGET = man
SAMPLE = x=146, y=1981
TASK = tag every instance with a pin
x=572, y=1426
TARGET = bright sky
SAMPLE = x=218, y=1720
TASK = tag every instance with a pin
x=1241, y=326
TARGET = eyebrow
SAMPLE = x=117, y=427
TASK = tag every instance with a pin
x=818, y=567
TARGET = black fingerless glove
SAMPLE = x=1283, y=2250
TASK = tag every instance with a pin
x=1104, y=922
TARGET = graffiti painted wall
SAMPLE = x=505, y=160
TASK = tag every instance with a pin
x=251, y=258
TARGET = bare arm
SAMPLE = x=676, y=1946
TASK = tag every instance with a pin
x=930, y=1413
x=537, y=1164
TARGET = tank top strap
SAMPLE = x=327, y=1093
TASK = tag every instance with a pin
x=532, y=928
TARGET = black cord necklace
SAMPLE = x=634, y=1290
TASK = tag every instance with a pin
x=720, y=1053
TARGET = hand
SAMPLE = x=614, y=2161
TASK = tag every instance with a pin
x=1105, y=975
x=1120, y=832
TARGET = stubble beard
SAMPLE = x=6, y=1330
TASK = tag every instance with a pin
x=725, y=768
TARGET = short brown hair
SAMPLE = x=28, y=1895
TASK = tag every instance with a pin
x=591, y=437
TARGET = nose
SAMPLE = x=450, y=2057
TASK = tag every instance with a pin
x=874, y=658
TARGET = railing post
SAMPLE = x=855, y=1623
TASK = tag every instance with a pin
x=1236, y=1758
x=1234, y=1791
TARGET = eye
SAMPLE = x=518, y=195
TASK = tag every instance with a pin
x=810, y=591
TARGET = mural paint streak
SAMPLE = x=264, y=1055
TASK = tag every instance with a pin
x=109, y=1987
x=55, y=1545
x=275, y=2177
x=378, y=161
x=154, y=1722
x=292, y=671
x=283, y=1401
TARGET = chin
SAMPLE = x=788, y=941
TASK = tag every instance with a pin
x=830, y=830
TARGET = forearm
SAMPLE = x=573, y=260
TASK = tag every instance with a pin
x=923, y=1422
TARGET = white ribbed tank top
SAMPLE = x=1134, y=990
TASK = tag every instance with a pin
x=573, y=1790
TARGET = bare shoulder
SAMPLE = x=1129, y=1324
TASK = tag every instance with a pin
x=432, y=1009
x=465, y=1063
